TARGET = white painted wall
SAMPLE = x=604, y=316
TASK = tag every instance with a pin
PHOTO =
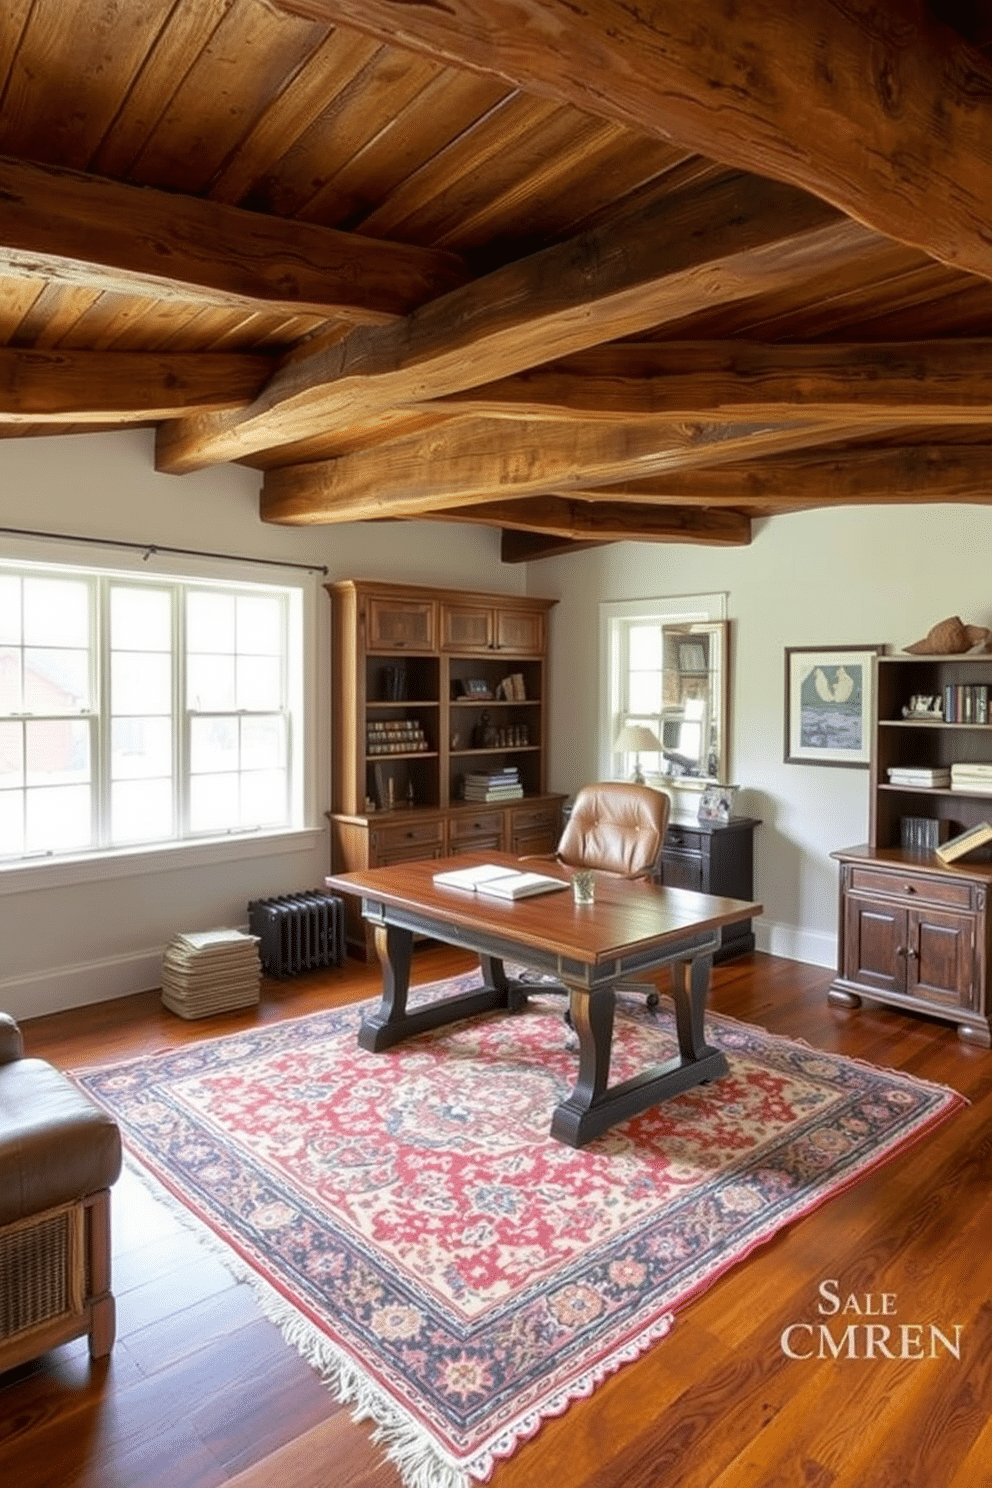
x=855, y=575
x=88, y=931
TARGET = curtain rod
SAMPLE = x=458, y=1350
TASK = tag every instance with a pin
x=149, y=548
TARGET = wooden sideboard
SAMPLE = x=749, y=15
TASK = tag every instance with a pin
x=406, y=665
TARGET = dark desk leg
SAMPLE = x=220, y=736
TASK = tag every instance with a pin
x=690, y=989
x=393, y=1021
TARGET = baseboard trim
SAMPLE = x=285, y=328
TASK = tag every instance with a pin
x=816, y=947
x=56, y=989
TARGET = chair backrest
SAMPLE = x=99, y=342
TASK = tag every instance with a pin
x=616, y=827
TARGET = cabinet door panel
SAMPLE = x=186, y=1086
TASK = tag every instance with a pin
x=682, y=871
x=401, y=624
x=875, y=945
x=520, y=631
x=467, y=627
x=941, y=957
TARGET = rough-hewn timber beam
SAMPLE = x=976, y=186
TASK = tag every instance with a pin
x=473, y=460
x=918, y=382
x=727, y=241
x=608, y=521
x=877, y=108
x=72, y=387
x=897, y=475
x=525, y=547
x=77, y=229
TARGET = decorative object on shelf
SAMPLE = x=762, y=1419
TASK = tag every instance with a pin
x=632, y=739
x=921, y=705
x=828, y=697
x=923, y=833
x=717, y=803
x=472, y=687
x=512, y=689
x=950, y=637
x=964, y=842
x=484, y=734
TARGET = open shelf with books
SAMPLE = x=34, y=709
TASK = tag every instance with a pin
x=914, y=929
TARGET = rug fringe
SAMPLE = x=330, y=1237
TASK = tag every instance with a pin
x=414, y=1453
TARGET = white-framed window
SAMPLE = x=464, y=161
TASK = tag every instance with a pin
x=631, y=666
x=145, y=710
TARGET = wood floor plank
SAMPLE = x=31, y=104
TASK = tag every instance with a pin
x=201, y=1388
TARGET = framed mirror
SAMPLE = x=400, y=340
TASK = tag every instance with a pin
x=694, y=731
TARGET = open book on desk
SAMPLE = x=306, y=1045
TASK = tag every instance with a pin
x=499, y=883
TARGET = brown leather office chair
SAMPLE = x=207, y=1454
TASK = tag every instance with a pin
x=615, y=827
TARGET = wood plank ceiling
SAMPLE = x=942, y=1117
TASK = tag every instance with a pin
x=576, y=272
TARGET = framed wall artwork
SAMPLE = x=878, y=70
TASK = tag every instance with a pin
x=828, y=704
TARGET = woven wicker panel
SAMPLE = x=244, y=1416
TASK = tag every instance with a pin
x=41, y=1270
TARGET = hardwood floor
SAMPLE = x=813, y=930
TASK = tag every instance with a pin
x=200, y=1386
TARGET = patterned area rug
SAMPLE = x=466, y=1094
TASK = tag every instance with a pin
x=448, y=1267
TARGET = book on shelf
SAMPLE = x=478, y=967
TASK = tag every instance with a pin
x=975, y=779
x=498, y=882
x=966, y=702
x=490, y=797
x=924, y=775
x=964, y=842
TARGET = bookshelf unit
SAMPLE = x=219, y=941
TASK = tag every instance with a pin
x=428, y=686
x=915, y=932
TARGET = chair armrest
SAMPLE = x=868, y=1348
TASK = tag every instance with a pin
x=11, y=1042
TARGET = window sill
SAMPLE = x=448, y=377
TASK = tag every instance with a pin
x=42, y=873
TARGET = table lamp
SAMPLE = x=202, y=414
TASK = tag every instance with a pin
x=631, y=739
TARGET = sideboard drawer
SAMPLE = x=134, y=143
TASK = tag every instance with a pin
x=402, y=835
x=957, y=893
x=468, y=828
x=680, y=840
x=537, y=818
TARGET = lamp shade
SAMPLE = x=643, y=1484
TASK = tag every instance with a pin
x=634, y=737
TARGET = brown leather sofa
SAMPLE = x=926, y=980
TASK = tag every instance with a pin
x=59, y=1155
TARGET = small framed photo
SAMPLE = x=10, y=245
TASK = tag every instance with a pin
x=828, y=704
x=717, y=803
x=692, y=656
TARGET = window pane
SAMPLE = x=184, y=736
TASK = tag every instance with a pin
x=263, y=743
x=141, y=810
x=644, y=642
x=10, y=609
x=213, y=745
x=57, y=750
x=140, y=682
x=259, y=682
x=56, y=612
x=211, y=684
x=11, y=700
x=260, y=625
x=263, y=798
x=213, y=802
x=140, y=619
x=141, y=748
x=56, y=681
x=58, y=819
x=11, y=824
x=645, y=692
x=11, y=754
x=210, y=622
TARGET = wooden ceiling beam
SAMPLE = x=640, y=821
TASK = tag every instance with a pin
x=609, y=521
x=81, y=230
x=526, y=547
x=472, y=460
x=72, y=387
x=728, y=240
x=924, y=381
x=896, y=475
x=879, y=109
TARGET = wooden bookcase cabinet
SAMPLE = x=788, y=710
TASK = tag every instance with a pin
x=406, y=655
x=914, y=932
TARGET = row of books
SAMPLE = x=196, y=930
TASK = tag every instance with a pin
x=966, y=702
x=399, y=736
x=494, y=785
x=975, y=779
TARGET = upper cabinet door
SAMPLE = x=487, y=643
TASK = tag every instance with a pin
x=401, y=624
x=467, y=627
x=520, y=631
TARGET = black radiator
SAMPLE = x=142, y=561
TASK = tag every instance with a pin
x=298, y=932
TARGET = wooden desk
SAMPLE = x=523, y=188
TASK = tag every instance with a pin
x=631, y=929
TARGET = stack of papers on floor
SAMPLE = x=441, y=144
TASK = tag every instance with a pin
x=923, y=775
x=974, y=778
x=210, y=971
